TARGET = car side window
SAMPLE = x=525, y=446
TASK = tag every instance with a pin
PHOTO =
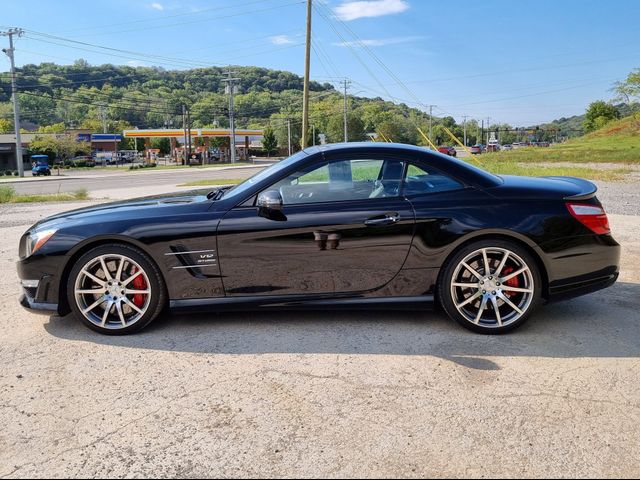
x=422, y=179
x=342, y=181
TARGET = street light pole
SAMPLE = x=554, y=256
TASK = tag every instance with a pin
x=14, y=95
x=465, y=129
x=431, y=124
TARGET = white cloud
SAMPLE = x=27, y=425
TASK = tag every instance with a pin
x=281, y=40
x=157, y=6
x=378, y=42
x=352, y=10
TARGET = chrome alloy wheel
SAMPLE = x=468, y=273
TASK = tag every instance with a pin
x=112, y=291
x=492, y=287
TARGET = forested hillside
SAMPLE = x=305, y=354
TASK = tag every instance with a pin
x=80, y=95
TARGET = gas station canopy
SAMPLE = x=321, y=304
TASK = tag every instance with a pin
x=195, y=132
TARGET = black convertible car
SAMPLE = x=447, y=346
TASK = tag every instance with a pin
x=340, y=226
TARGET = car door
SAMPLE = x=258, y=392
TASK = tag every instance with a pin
x=343, y=229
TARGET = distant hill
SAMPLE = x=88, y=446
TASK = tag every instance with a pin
x=84, y=95
x=573, y=125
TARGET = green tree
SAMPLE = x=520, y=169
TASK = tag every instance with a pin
x=6, y=126
x=59, y=147
x=162, y=144
x=269, y=142
x=55, y=128
x=630, y=87
x=599, y=114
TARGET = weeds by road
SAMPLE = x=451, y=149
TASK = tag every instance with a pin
x=9, y=195
x=212, y=182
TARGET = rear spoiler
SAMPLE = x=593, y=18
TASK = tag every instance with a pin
x=587, y=189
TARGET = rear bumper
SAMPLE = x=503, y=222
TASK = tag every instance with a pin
x=589, y=284
x=582, y=265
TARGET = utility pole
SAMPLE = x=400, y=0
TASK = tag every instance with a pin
x=103, y=116
x=189, y=134
x=289, y=134
x=431, y=124
x=184, y=127
x=313, y=129
x=14, y=96
x=231, y=90
x=346, y=111
x=464, y=123
x=307, y=71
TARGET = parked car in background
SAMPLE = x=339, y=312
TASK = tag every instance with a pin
x=475, y=150
x=40, y=165
x=448, y=151
x=507, y=147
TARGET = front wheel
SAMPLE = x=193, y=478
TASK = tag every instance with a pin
x=115, y=289
x=490, y=287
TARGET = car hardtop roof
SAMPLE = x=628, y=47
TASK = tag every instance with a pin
x=337, y=147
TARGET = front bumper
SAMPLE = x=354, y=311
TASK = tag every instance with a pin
x=39, y=277
x=39, y=308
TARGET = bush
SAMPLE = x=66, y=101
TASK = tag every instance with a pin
x=6, y=193
x=16, y=174
x=81, y=194
x=8, y=173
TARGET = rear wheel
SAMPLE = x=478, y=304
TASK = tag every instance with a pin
x=115, y=289
x=490, y=286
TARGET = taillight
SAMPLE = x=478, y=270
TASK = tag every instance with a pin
x=591, y=216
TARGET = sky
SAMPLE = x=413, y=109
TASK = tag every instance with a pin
x=520, y=62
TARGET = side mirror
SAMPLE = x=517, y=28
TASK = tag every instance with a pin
x=270, y=200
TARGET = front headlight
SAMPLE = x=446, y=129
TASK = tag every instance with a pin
x=37, y=239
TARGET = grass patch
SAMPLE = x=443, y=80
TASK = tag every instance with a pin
x=9, y=195
x=506, y=167
x=617, y=142
x=213, y=182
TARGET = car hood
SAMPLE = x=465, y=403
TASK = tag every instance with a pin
x=544, y=188
x=161, y=205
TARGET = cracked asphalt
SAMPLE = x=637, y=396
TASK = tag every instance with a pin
x=345, y=394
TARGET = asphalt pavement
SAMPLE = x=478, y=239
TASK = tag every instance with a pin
x=101, y=183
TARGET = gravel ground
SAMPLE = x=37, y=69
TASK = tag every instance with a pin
x=348, y=394
x=621, y=198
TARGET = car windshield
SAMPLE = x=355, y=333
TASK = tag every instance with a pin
x=239, y=190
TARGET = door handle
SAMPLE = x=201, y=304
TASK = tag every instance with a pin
x=383, y=220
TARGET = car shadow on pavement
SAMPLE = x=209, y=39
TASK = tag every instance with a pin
x=603, y=324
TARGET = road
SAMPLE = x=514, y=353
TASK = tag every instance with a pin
x=345, y=394
x=100, y=183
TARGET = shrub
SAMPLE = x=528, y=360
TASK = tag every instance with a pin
x=6, y=193
x=8, y=173
x=81, y=194
x=16, y=174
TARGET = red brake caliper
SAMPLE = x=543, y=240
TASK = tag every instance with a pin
x=512, y=282
x=139, y=283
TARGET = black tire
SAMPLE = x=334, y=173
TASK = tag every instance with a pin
x=158, y=295
x=489, y=326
